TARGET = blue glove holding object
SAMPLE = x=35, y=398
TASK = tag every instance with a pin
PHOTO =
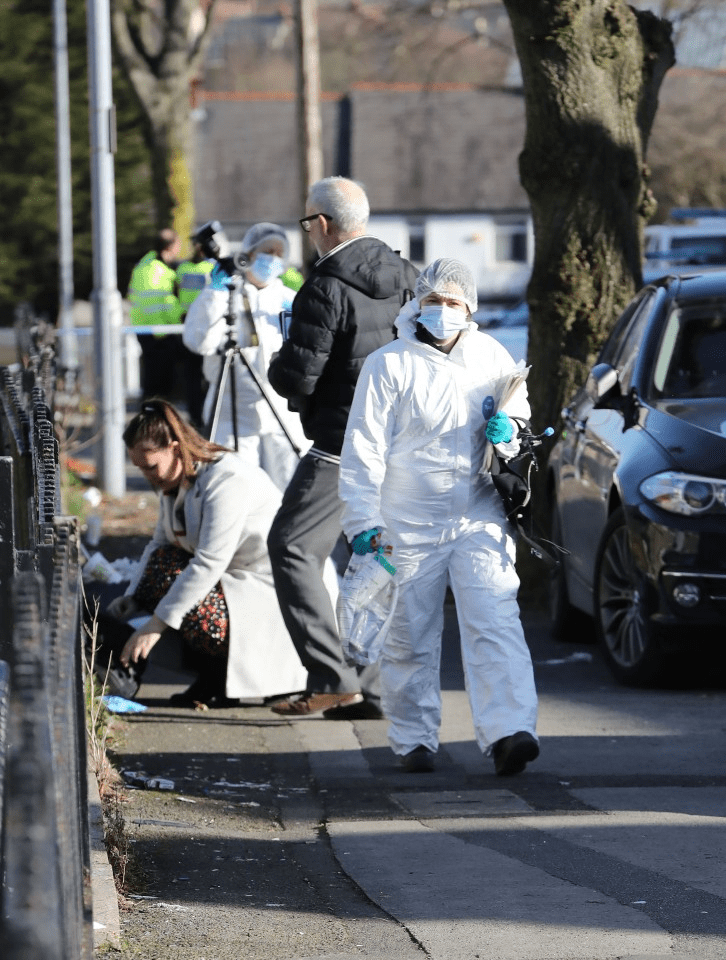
x=219, y=278
x=500, y=428
x=362, y=542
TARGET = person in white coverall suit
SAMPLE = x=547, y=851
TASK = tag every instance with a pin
x=409, y=477
x=258, y=301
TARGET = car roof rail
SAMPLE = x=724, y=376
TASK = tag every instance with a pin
x=695, y=213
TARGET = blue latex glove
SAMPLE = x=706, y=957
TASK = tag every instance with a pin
x=219, y=279
x=362, y=542
x=500, y=428
x=288, y=297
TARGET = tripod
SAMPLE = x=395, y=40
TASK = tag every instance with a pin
x=230, y=350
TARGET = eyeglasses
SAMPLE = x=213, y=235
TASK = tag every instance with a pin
x=305, y=223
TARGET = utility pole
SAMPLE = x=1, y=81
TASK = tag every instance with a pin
x=105, y=298
x=310, y=126
x=68, y=344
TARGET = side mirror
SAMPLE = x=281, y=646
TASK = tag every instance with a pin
x=602, y=382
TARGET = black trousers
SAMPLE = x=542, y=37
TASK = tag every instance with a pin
x=159, y=357
x=303, y=535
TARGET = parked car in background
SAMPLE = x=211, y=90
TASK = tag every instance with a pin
x=507, y=324
x=637, y=481
x=694, y=243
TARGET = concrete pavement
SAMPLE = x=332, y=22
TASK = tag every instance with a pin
x=305, y=839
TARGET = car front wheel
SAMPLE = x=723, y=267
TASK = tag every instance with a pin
x=629, y=640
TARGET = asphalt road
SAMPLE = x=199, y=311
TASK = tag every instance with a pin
x=304, y=839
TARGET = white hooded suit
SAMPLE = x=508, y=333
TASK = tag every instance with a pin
x=413, y=447
x=261, y=441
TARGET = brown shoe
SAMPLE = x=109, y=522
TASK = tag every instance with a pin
x=311, y=703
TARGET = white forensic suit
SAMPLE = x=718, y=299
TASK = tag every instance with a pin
x=414, y=444
x=261, y=440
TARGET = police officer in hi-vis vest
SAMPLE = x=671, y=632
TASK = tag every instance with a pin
x=154, y=302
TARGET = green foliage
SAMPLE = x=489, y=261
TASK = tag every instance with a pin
x=28, y=244
x=72, y=491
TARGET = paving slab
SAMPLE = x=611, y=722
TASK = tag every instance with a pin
x=685, y=847
x=428, y=805
x=462, y=901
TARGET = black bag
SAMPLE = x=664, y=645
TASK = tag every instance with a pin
x=512, y=480
x=111, y=637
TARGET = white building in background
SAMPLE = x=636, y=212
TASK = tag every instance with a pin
x=497, y=246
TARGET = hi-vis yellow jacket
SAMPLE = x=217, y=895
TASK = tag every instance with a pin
x=152, y=293
x=193, y=278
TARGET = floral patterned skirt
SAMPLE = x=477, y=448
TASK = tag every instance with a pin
x=205, y=629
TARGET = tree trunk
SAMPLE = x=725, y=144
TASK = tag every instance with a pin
x=170, y=146
x=591, y=71
x=161, y=46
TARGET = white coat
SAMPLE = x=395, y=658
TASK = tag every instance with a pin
x=410, y=463
x=228, y=512
x=261, y=440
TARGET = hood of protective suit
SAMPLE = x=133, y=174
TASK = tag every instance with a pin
x=368, y=265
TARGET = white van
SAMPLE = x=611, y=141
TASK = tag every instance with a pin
x=697, y=242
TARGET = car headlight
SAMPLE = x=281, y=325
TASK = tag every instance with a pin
x=685, y=493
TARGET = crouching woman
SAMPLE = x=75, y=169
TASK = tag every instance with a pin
x=205, y=572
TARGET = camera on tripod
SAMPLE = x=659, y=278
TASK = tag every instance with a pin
x=214, y=244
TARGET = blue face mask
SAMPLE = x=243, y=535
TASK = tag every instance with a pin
x=265, y=267
x=442, y=321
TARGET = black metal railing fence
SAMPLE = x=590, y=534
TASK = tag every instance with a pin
x=45, y=899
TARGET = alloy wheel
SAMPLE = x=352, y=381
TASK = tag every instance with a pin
x=629, y=639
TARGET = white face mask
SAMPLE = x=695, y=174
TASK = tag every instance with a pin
x=265, y=267
x=442, y=321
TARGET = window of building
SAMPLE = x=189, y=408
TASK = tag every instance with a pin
x=416, y=244
x=510, y=243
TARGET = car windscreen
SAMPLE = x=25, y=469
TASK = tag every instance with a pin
x=699, y=249
x=691, y=360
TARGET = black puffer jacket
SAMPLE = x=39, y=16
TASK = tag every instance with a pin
x=344, y=311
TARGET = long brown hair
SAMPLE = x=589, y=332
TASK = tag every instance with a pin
x=159, y=424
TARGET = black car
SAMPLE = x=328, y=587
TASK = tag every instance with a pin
x=638, y=482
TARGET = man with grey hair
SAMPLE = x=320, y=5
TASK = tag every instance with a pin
x=344, y=311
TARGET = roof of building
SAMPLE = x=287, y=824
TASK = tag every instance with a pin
x=443, y=147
